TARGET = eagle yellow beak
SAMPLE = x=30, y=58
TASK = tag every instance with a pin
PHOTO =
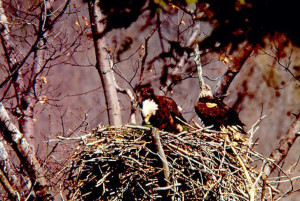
x=147, y=118
x=211, y=105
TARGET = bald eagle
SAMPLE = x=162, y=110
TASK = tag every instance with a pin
x=162, y=112
x=212, y=111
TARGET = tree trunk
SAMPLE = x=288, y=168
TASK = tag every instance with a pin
x=26, y=124
x=24, y=152
x=25, y=121
x=103, y=66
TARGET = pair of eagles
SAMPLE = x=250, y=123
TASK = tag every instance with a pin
x=162, y=112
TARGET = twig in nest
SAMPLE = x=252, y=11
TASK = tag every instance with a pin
x=185, y=123
x=129, y=164
x=252, y=189
x=161, y=152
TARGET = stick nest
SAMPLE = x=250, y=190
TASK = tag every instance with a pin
x=123, y=164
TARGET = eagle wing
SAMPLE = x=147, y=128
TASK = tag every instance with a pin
x=217, y=113
x=211, y=114
x=171, y=106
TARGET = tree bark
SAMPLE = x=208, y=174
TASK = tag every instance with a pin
x=25, y=94
x=284, y=146
x=103, y=66
x=162, y=157
x=24, y=152
x=26, y=123
x=160, y=152
x=6, y=166
x=12, y=193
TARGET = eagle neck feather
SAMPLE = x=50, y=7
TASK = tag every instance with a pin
x=149, y=107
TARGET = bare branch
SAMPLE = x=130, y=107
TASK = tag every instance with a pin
x=145, y=54
x=233, y=69
x=192, y=39
x=286, y=66
x=282, y=150
x=20, y=64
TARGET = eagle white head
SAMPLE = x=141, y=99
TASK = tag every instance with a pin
x=149, y=108
x=205, y=92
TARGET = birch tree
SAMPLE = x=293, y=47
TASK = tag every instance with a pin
x=25, y=154
x=103, y=65
x=24, y=80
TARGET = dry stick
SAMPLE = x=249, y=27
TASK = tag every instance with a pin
x=185, y=123
x=281, y=152
x=161, y=152
x=138, y=127
x=252, y=190
x=196, y=124
x=253, y=129
x=180, y=150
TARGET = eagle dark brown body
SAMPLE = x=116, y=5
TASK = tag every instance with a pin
x=212, y=111
x=165, y=117
x=162, y=112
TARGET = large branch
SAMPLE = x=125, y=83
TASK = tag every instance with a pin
x=284, y=146
x=6, y=166
x=182, y=61
x=160, y=152
x=162, y=156
x=127, y=91
x=198, y=63
x=132, y=100
x=233, y=69
x=103, y=67
x=8, y=187
x=24, y=152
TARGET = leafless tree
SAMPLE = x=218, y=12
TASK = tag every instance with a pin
x=23, y=80
x=174, y=45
